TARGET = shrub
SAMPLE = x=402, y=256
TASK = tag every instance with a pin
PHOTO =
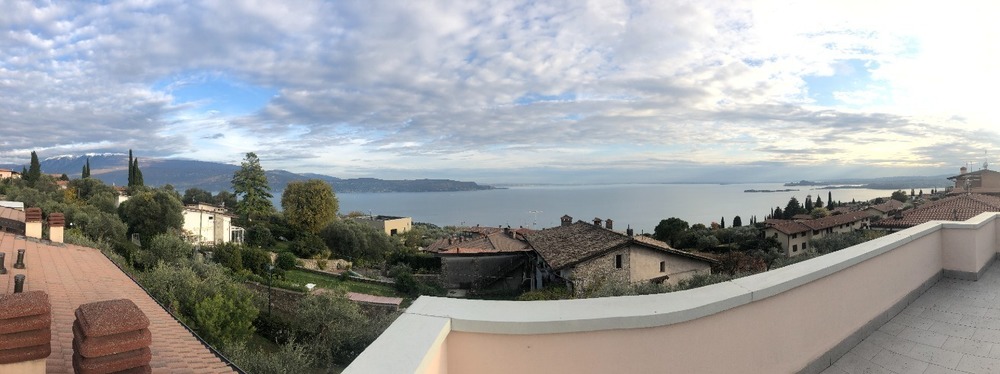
x=225, y=320
x=166, y=248
x=256, y=260
x=557, y=292
x=290, y=358
x=308, y=246
x=259, y=236
x=285, y=261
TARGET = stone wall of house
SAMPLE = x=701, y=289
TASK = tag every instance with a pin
x=468, y=272
x=645, y=265
x=595, y=272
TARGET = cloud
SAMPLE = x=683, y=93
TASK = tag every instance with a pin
x=343, y=87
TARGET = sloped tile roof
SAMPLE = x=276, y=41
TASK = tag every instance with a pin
x=793, y=227
x=952, y=208
x=567, y=245
x=73, y=276
x=888, y=206
x=492, y=240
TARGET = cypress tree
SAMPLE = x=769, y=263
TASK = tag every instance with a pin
x=131, y=172
x=737, y=221
x=86, y=170
x=829, y=199
x=722, y=222
x=136, y=173
x=34, y=170
x=809, y=204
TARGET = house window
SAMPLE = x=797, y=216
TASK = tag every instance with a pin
x=618, y=261
x=794, y=236
x=805, y=245
x=392, y=232
x=663, y=266
x=795, y=248
x=815, y=232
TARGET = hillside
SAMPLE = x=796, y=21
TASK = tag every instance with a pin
x=214, y=176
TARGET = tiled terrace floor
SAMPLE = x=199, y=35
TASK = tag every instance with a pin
x=954, y=327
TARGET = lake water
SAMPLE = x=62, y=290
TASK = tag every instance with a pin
x=641, y=206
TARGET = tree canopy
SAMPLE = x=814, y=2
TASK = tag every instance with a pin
x=670, y=229
x=252, y=190
x=309, y=205
x=152, y=212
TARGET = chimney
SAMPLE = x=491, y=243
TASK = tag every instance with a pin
x=566, y=220
x=111, y=336
x=607, y=224
x=57, y=223
x=33, y=223
x=25, y=332
x=597, y=222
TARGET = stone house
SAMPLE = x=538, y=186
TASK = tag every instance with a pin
x=585, y=255
x=794, y=236
x=484, y=260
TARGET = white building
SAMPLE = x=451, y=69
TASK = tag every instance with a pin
x=208, y=224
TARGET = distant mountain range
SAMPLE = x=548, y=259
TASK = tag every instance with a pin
x=214, y=176
x=883, y=183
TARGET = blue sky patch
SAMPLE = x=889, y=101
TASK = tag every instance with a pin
x=848, y=75
x=217, y=93
x=532, y=97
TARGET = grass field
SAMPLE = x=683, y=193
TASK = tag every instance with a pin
x=334, y=282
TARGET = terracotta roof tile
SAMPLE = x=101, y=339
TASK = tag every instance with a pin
x=25, y=323
x=952, y=208
x=25, y=338
x=112, y=363
x=888, y=206
x=794, y=227
x=110, y=317
x=97, y=346
x=37, y=352
x=24, y=304
x=72, y=276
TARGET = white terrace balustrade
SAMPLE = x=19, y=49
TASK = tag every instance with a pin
x=799, y=318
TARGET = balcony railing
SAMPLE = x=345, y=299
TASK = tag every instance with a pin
x=798, y=318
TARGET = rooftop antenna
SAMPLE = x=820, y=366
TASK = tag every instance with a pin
x=534, y=222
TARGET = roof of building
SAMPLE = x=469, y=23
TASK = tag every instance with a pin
x=973, y=173
x=952, y=208
x=491, y=241
x=789, y=227
x=564, y=246
x=12, y=214
x=374, y=299
x=72, y=276
x=888, y=206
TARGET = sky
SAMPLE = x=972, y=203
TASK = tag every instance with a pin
x=509, y=91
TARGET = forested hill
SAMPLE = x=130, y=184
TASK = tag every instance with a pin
x=214, y=176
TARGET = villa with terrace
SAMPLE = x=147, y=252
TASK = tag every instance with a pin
x=922, y=300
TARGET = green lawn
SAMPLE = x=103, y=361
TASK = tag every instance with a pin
x=334, y=282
